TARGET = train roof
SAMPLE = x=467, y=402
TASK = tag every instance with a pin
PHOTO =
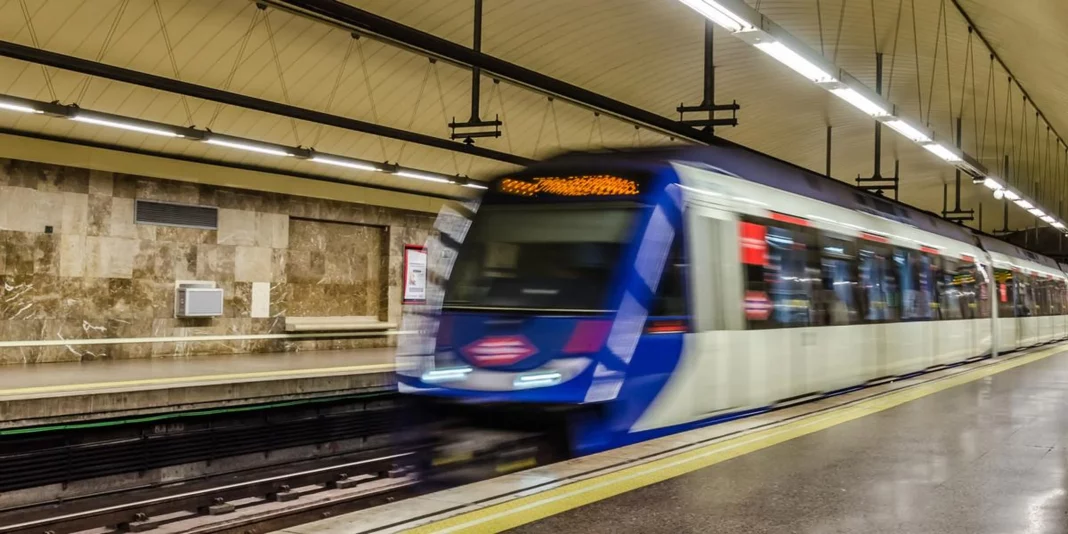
x=747, y=164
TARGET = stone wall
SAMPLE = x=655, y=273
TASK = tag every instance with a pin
x=74, y=264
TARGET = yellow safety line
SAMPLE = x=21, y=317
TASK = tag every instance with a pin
x=192, y=379
x=523, y=510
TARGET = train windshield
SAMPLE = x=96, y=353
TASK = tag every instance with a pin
x=541, y=256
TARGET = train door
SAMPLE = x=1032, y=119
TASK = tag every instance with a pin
x=712, y=376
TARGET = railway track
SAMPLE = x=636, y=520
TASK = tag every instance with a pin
x=239, y=502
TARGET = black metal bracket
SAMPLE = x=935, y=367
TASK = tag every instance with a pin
x=708, y=105
x=711, y=110
x=879, y=184
x=475, y=127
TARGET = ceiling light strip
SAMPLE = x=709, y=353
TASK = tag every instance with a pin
x=109, y=120
x=749, y=25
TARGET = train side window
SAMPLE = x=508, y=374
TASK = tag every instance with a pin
x=780, y=272
x=916, y=272
x=980, y=297
x=1025, y=302
x=953, y=302
x=1005, y=293
x=982, y=292
x=670, y=299
x=837, y=298
x=879, y=284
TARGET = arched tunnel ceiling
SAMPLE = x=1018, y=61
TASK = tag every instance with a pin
x=647, y=53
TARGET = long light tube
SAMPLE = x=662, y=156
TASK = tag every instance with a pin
x=908, y=130
x=191, y=134
x=247, y=146
x=9, y=106
x=345, y=163
x=795, y=61
x=1037, y=212
x=1024, y=204
x=1048, y=219
x=1009, y=194
x=992, y=184
x=722, y=16
x=860, y=102
x=124, y=126
x=942, y=152
x=423, y=176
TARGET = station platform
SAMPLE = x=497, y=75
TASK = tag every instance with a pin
x=60, y=393
x=975, y=448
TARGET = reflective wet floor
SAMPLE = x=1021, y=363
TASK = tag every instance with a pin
x=986, y=456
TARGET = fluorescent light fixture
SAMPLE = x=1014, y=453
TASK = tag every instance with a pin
x=124, y=126
x=1057, y=224
x=942, y=152
x=423, y=176
x=719, y=14
x=1010, y=195
x=360, y=166
x=908, y=130
x=860, y=102
x=1037, y=212
x=1048, y=219
x=795, y=61
x=475, y=186
x=992, y=184
x=11, y=106
x=246, y=146
x=1024, y=204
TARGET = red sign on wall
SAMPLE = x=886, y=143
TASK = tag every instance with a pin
x=754, y=247
x=1003, y=291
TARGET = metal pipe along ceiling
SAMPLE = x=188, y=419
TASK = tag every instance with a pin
x=119, y=74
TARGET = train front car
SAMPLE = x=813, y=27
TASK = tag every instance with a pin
x=562, y=317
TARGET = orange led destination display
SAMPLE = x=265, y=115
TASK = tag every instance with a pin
x=597, y=185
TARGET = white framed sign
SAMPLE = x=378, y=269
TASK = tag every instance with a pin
x=414, y=274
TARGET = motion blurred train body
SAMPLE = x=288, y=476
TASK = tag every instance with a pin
x=609, y=298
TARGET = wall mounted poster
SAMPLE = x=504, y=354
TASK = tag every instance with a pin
x=414, y=274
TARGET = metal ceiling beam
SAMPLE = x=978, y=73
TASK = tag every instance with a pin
x=119, y=74
x=352, y=18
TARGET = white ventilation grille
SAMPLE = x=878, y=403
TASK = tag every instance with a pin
x=165, y=214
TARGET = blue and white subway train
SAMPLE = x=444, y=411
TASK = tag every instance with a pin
x=616, y=297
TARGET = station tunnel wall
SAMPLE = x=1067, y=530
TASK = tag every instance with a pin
x=75, y=265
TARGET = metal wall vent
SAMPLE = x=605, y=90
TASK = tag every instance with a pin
x=165, y=214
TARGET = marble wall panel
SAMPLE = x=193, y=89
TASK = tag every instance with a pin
x=215, y=262
x=101, y=183
x=124, y=186
x=121, y=223
x=98, y=215
x=184, y=235
x=167, y=191
x=54, y=178
x=17, y=208
x=237, y=227
x=75, y=214
x=100, y=275
x=252, y=264
x=110, y=257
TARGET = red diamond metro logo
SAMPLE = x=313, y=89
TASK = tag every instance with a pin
x=499, y=351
